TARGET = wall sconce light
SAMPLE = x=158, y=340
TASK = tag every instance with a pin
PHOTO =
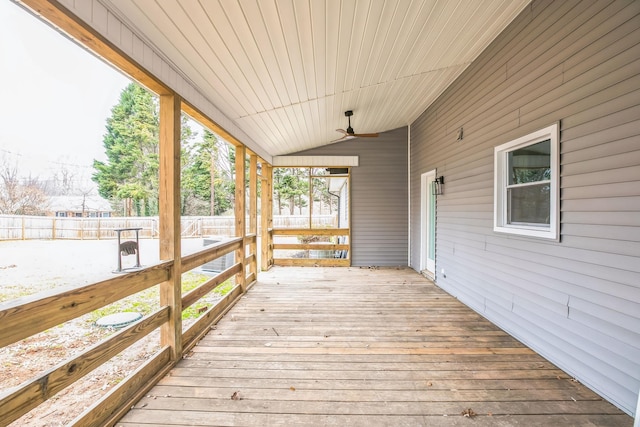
x=438, y=186
x=259, y=169
x=460, y=134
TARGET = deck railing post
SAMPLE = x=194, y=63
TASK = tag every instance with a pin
x=240, y=226
x=253, y=211
x=266, y=217
x=270, y=214
x=169, y=218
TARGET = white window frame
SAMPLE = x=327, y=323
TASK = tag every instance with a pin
x=501, y=176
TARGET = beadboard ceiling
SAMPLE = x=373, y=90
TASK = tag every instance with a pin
x=286, y=70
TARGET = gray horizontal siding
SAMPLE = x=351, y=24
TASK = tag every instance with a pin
x=576, y=301
x=379, y=199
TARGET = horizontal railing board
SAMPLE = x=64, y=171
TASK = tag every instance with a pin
x=22, y=319
x=194, y=295
x=189, y=262
x=211, y=316
x=44, y=311
x=32, y=393
x=311, y=231
x=309, y=262
x=311, y=246
x=119, y=399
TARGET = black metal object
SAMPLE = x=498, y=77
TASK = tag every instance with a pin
x=438, y=186
x=128, y=247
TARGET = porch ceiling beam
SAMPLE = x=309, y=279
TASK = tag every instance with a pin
x=66, y=22
x=315, y=161
x=61, y=18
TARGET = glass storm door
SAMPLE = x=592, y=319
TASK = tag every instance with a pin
x=428, y=224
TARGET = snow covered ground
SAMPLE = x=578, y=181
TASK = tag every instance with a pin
x=32, y=266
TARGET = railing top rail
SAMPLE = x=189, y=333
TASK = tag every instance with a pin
x=311, y=231
x=210, y=253
x=24, y=317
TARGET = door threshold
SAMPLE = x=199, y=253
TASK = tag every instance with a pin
x=429, y=275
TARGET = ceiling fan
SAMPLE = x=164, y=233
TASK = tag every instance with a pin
x=349, y=133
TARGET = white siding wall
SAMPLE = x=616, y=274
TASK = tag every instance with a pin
x=378, y=197
x=576, y=301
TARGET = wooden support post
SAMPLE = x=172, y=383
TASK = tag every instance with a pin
x=169, y=216
x=264, y=227
x=241, y=228
x=310, y=198
x=253, y=211
x=266, y=208
x=270, y=213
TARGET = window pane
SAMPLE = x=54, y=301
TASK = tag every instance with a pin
x=530, y=204
x=531, y=163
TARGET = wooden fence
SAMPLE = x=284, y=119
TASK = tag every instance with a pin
x=17, y=227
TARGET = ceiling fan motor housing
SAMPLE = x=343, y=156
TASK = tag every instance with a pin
x=348, y=114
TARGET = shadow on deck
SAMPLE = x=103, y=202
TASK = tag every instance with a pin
x=371, y=347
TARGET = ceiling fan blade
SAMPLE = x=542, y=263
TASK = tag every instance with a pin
x=344, y=138
x=349, y=134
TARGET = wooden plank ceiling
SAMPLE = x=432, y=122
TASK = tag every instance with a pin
x=286, y=70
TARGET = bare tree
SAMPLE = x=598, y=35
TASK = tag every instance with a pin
x=20, y=197
x=63, y=182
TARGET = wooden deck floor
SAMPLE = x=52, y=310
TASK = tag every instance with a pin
x=363, y=347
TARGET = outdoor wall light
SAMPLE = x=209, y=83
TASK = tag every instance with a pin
x=438, y=186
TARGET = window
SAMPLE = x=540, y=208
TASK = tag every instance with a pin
x=526, y=185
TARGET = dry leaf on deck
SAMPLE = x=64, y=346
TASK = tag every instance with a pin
x=468, y=413
x=235, y=395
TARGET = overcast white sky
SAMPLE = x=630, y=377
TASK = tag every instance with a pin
x=55, y=97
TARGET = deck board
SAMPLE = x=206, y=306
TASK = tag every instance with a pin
x=363, y=347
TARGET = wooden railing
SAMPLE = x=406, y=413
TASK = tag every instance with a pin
x=315, y=246
x=31, y=315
